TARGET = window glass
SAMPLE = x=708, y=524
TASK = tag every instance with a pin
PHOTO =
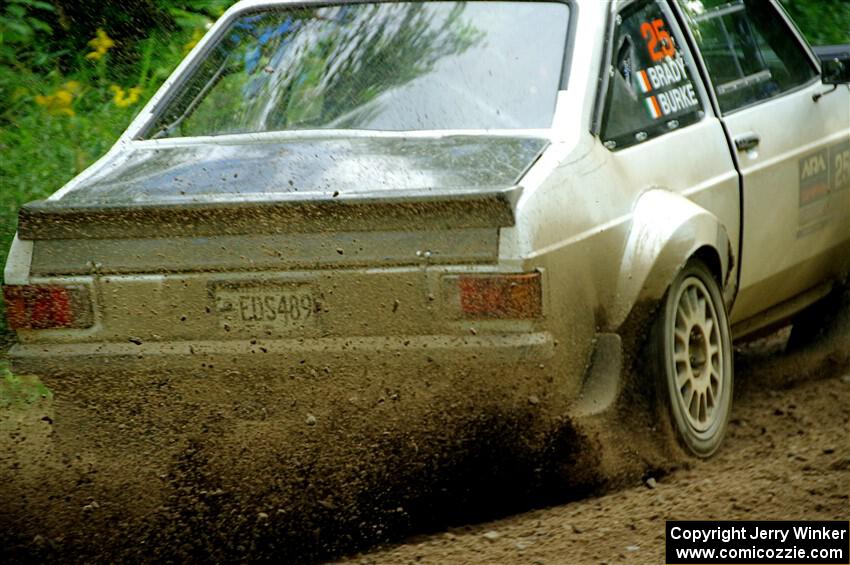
x=651, y=87
x=750, y=52
x=378, y=66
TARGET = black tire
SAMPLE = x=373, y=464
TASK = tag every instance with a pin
x=690, y=360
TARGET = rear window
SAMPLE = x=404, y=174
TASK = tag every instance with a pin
x=382, y=66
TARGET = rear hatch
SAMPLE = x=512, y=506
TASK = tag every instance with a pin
x=271, y=240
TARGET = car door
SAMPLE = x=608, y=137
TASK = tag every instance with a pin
x=657, y=123
x=792, y=145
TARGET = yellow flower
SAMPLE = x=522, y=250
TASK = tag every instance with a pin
x=61, y=101
x=133, y=95
x=101, y=44
x=72, y=86
x=196, y=37
x=123, y=98
x=64, y=98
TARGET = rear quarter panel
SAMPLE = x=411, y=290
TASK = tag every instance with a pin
x=578, y=216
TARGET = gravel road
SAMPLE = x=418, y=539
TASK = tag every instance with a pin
x=787, y=456
x=150, y=471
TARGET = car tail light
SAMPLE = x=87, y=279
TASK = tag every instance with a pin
x=500, y=296
x=41, y=307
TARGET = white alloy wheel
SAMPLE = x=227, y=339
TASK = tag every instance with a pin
x=694, y=356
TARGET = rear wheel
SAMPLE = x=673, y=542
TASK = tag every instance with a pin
x=690, y=350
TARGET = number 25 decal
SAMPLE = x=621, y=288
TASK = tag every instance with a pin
x=658, y=41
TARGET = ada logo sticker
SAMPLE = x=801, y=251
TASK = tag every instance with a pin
x=812, y=166
x=824, y=180
x=814, y=177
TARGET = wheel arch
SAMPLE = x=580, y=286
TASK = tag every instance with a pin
x=668, y=230
x=711, y=258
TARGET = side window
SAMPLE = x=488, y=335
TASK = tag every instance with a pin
x=749, y=52
x=651, y=84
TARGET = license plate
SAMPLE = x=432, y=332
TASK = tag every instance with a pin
x=278, y=309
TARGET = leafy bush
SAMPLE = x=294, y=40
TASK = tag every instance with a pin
x=20, y=391
x=823, y=22
x=72, y=78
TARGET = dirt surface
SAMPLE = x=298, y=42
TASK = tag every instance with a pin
x=786, y=457
x=161, y=468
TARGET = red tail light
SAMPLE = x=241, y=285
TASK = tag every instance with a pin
x=41, y=307
x=501, y=296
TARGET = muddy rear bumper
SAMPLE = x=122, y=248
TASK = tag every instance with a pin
x=293, y=355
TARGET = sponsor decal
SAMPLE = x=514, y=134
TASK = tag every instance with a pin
x=824, y=177
x=814, y=177
x=839, y=159
x=670, y=88
x=659, y=44
x=666, y=82
x=653, y=107
x=679, y=99
x=671, y=71
x=658, y=76
x=643, y=82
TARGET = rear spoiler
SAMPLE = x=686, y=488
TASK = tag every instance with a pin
x=407, y=210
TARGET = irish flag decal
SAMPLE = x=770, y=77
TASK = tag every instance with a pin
x=643, y=81
x=653, y=107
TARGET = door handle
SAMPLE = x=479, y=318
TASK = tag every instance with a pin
x=747, y=141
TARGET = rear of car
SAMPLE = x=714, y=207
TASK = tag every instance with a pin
x=307, y=197
x=236, y=284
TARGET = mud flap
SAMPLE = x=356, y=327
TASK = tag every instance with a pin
x=604, y=380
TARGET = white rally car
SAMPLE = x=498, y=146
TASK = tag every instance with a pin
x=505, y=189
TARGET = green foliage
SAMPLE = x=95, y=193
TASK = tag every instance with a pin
x=61, y=107
x=23, y=25
x=20, y=24
x=20, y=391
x=823, y=22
